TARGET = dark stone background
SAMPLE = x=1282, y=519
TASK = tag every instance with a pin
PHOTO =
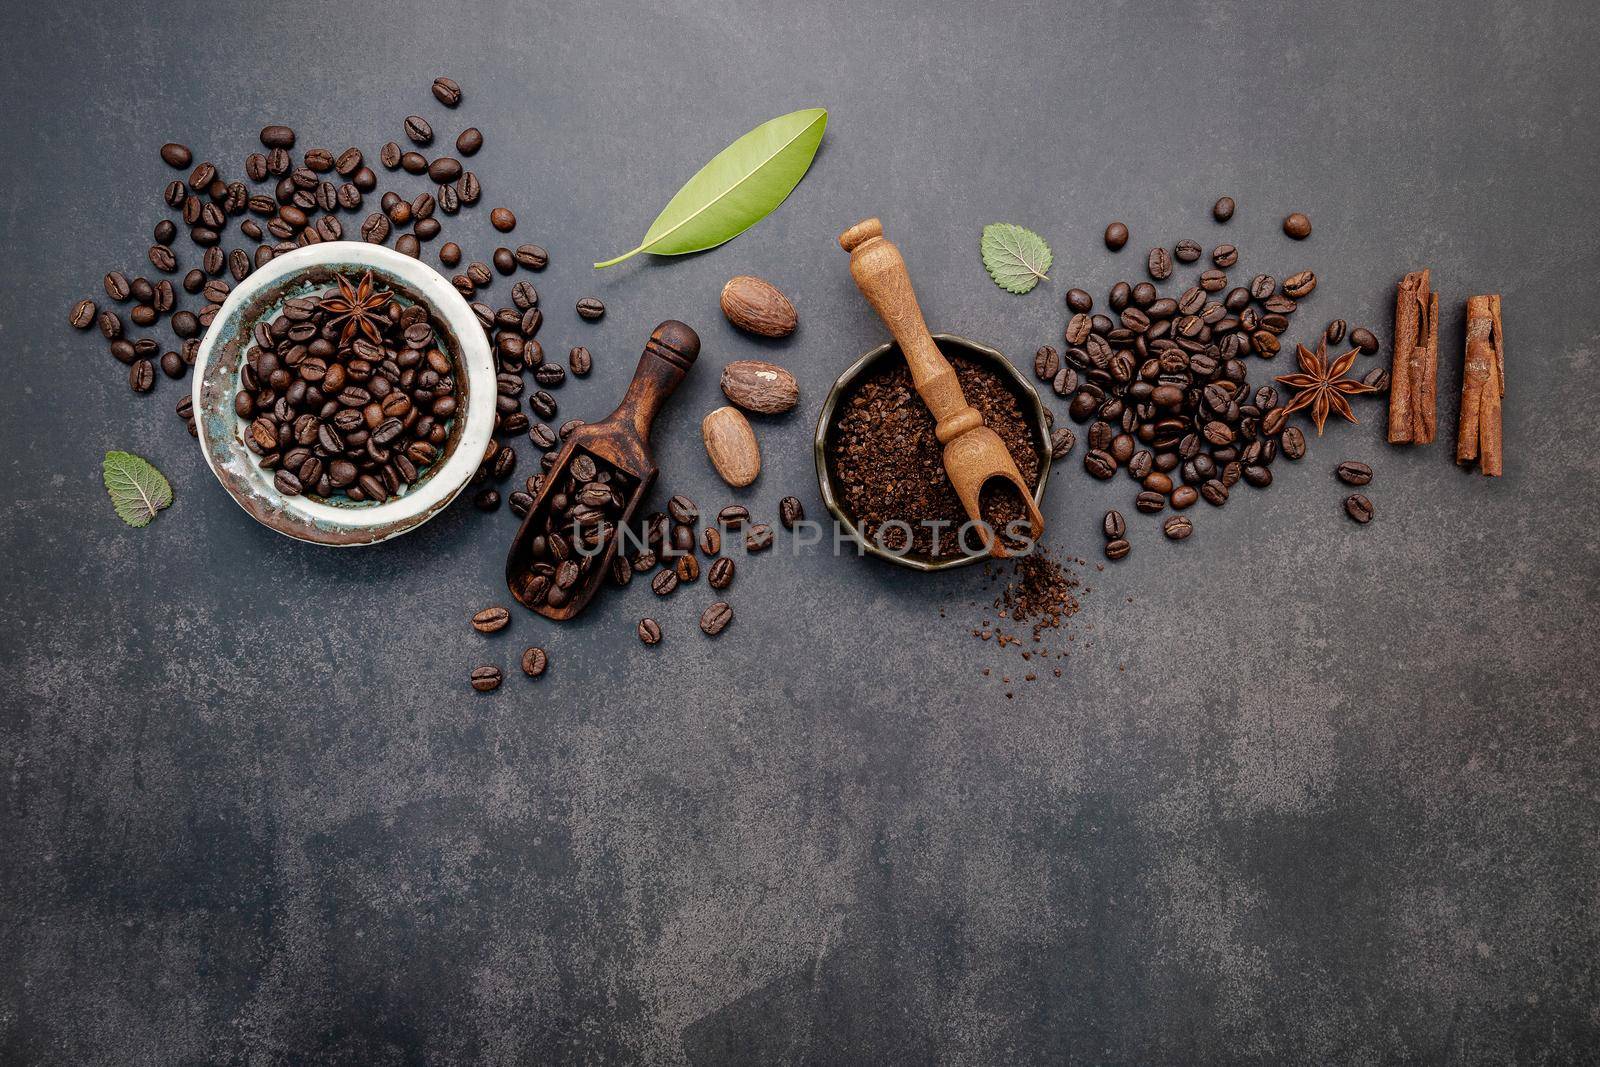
x=1306, y=791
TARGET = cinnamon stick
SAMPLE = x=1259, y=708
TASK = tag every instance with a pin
x=1414, y=372
x=1483, y=383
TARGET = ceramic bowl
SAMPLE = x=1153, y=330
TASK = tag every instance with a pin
x=949, y=344
x=339, y=522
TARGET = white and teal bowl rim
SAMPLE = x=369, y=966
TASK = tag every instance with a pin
x=340, y=523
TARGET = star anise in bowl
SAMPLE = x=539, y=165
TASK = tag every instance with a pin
x=1323, y=387
x=358, y=307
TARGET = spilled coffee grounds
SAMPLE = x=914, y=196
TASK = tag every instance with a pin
x=889, y=465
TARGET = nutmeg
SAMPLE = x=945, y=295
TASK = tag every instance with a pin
x=731, y=444
x=757, y=307
x=758, y=386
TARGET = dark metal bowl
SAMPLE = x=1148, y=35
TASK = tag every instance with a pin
x=949, y=344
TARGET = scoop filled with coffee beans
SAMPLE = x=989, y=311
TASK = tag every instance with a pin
x=591, y=491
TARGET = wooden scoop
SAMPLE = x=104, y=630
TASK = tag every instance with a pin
x=621, y=442
x=973, y=453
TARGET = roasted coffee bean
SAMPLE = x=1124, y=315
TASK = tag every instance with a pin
x=1224, y=255
x=1178, y=527
x=649, y=631
x=542, y=404
x=580, y=361
x=710, y=541
x=1294, y=442
x=1214, y=492
x=1222, y=210
x=501, y=219
x=1046, y=363
x=1184, y=496
x=449, y=253
x=82, y=316
x=1300, y=285
x=469, y=190
x=1099, y=464
x=162, y=259
x=790, y=512
x=414, y=163
x=1186, y=251
x=490, y=620
x=688, y=568
x=486, y=500
x=1358, y=508
x=1116, y=236
x=534, y=662
x=1364, y=339
x=1118, y=548
x=1378, y=378
x=418, y=130
x=486, y=679
x=1334, y=334
x=759, y=538
x=520, y=503
x=590, y=308
x=444, y=170
x=277, y=137
x=1079, y=300
x=683, y=510
x=1159, y=263
x=716, y=618
x=1114, y=525
x=1062, y=441
x=1150, y=502
x=172, y=365
x=1297, y=226
x=525, y=296
x=141, y=376
x=664, y=582
x=389, y=155
x=1352, y=473
x=720, y=574
x=1258, y=476
x=550, y=375
x=734, y=516
x=1065, y=383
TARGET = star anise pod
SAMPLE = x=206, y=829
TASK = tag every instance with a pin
x=1323, y=388
x=358, y=307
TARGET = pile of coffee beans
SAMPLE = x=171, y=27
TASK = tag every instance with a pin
x=1163, y=381
x=574, y=531
x=350, y=390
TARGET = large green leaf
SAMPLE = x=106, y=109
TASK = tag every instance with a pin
x=137, y=489
x=738, y=188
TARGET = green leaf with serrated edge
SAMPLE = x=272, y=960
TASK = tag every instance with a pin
x=739, y=187
x=137, y=489
x=1015, y=257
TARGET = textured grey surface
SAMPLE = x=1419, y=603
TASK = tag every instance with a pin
x=1306, y=791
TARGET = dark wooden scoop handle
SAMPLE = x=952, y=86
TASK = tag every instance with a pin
x=668, y=355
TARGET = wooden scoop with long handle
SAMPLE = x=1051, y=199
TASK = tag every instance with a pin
x=973, y=453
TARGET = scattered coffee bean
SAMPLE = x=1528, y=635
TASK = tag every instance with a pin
x=580, y=361
x=490, y=620
x=720, y=574
x=1358, y=508
x=590, y=308
x=1364, y=339
x=277, y=137
x=534, y=661
x=531, y=257
x=1117, y=549
x=1159, y=264
x=1352, y=473
x=468, y=141
x=1178, y=527
x=664, y=583
x=790, y=511
x=1062, y=441
x=1186, y=251
x=1297, y=226
x=142, y=376
x=418, y=130
x=83, y=313
x=1222, y=210
x=1224, y=256
x=501, y=219
x=1334, y=334
x=716, y=618
x=486, y=679
x=486, y=500
x=649, y=631
x=1116, y=236
x=446, y=91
